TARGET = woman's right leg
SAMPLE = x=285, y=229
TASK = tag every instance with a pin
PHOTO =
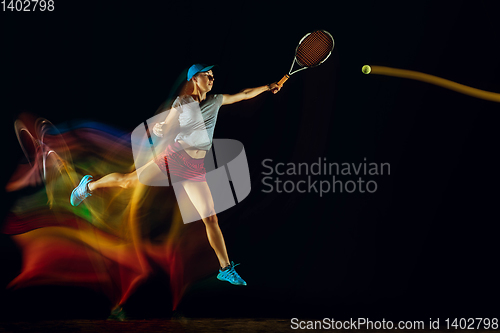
x=126, y=180
x=115, y=180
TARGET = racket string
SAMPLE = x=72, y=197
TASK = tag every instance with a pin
x=314, y=49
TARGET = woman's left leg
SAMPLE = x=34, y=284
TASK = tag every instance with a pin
x=201, y=197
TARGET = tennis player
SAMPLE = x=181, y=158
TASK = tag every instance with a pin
x=183, y=160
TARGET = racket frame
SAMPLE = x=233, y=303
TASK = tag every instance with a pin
x=302, y=67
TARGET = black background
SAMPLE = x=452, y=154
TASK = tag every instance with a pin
x=424, y=245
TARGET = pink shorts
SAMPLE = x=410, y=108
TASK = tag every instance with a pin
x=179, y=166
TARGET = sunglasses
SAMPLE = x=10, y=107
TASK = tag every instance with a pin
x=209, y=77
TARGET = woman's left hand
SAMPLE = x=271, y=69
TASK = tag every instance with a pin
x=274, y=87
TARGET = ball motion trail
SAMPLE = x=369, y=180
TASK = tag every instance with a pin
x=413, y=75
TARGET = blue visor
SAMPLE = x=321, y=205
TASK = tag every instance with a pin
x=197, y=68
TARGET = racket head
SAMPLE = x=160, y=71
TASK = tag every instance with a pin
x=314, y=48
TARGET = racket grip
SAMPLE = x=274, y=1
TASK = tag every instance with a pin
x=283, y=80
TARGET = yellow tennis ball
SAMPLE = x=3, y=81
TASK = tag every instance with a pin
x=366, y=69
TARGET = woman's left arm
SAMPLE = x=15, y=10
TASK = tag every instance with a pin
x=249, y=93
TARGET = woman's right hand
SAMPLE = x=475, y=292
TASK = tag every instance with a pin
x=157, y=129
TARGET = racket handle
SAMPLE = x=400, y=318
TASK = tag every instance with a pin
x=283, y=80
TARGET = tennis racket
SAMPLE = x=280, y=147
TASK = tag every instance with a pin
x=313, y=49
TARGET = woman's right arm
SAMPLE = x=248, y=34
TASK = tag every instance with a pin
x=170, y=123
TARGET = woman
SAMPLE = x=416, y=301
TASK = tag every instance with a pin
x=183, y=160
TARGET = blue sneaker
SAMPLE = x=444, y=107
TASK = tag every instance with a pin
x=81, y=192
x=229, y=274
